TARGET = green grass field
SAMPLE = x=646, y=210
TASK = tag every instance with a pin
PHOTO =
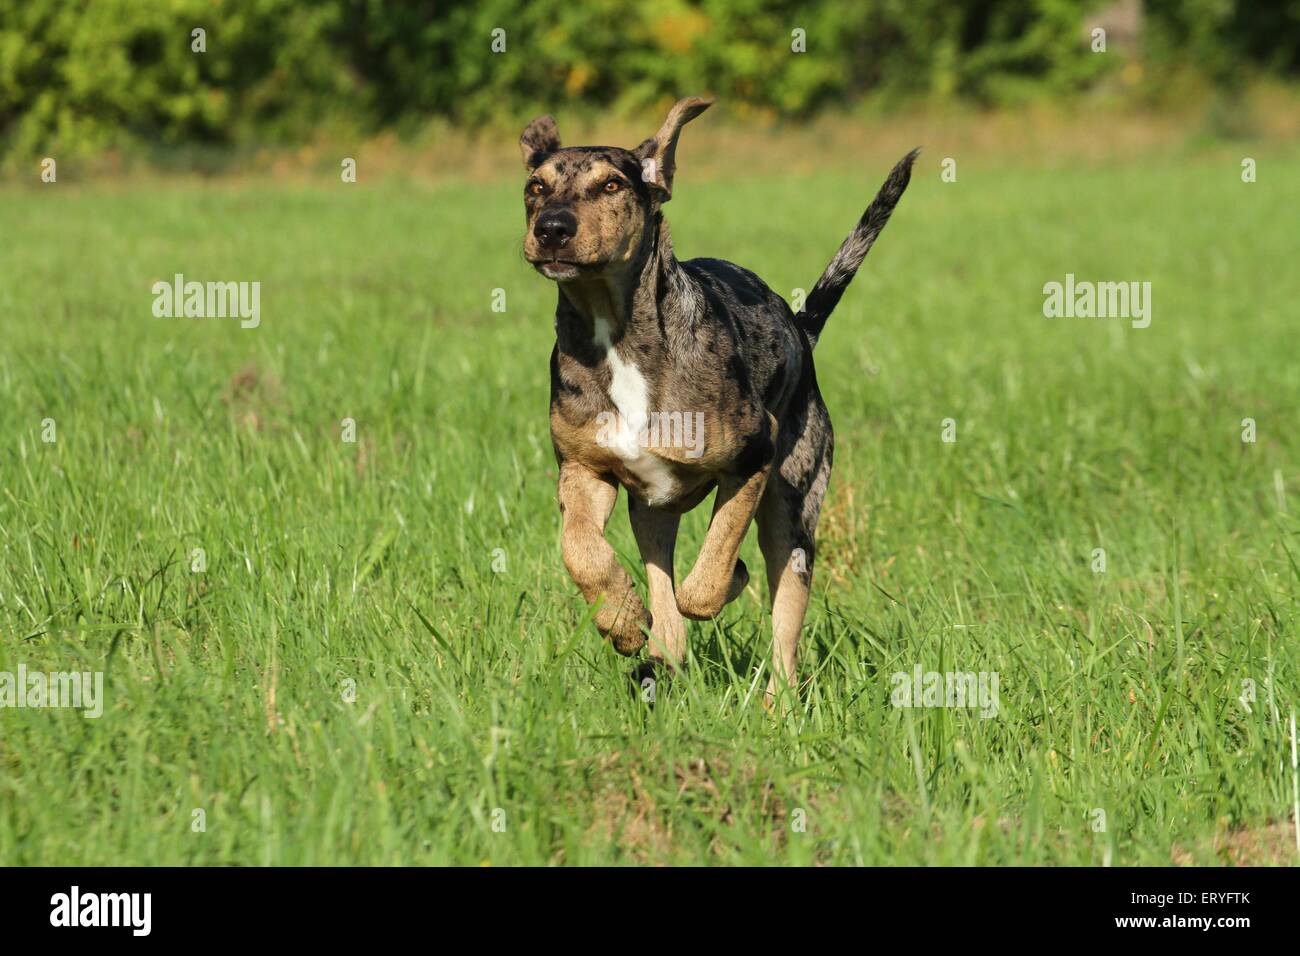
x=350, y=681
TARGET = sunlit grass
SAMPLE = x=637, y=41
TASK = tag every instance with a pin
x=350, y=681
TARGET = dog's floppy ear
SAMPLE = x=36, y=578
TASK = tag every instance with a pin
x=539, y=138
x=658, y=155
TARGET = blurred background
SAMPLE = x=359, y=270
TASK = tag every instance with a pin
x=123, y=79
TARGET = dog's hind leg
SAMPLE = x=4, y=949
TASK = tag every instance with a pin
x=787, y=527
x=656, y=536
x=586, y=501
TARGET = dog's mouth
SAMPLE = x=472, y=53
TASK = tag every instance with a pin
x=553, y=267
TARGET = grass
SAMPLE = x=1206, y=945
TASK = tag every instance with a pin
x=349, y=681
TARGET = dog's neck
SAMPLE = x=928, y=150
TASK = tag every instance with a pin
x=636, y=301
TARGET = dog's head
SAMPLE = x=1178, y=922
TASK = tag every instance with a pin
x=589, y=208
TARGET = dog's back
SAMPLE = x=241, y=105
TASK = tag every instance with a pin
x=769, y=344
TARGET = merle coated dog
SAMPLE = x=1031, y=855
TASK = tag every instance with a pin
x=673, y=379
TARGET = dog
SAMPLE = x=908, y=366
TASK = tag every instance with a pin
x=643, y=341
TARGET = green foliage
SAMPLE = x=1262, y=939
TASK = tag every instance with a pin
x=1221, y=36
x=85, y=76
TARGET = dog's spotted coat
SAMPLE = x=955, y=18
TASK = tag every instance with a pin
x=637, y=334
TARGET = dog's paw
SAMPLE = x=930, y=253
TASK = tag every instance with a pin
x=623, y=621
x=704, y=601
x=781, y=699
x=628, y=632
x=739, y=581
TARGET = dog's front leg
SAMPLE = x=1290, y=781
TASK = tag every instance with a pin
x=719, y=575
x=586, y=501
x=656, y=537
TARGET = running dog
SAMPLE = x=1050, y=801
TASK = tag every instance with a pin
x=673, y=379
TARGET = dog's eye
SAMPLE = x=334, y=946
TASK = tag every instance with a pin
x=613, y=186
x=535, y=188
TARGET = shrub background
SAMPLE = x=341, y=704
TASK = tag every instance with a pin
x=83, y=77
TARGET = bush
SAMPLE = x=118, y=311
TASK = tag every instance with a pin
x=87, y=76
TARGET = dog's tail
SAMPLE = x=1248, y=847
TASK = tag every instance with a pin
x=825, y=295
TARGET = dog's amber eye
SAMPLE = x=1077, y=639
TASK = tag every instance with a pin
x=613, y=186
x=536, y=189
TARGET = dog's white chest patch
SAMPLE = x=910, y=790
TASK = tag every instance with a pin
x=631, y=396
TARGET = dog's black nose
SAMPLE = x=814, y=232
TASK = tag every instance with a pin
x=555, y=228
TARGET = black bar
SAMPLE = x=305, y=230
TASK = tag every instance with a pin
x=339, y=906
